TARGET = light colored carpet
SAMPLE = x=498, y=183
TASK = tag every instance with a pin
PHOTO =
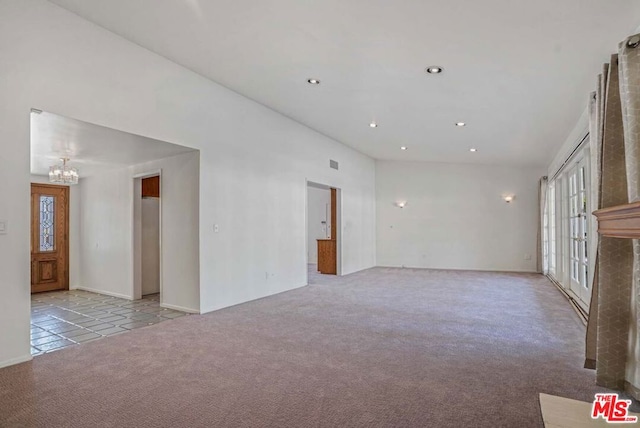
x=383, y=347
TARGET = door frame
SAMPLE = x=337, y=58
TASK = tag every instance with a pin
x=66, y=251
x=136, y=242
x=581, y=294
x=338, y=225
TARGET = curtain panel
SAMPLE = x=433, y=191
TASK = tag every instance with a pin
x=614, y=126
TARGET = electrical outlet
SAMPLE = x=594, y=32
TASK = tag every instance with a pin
x=216, y=228
x=527, y=256
x=3, y=227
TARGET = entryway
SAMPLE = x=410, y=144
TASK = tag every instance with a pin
x=323, y=237
x=65, y=318
x=98, y=264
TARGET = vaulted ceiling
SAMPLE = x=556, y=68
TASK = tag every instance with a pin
x=518, y=73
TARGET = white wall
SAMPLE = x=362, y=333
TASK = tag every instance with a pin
x=254, y=161
x=179, y=201
x=74, y=230
x=318, y=211
x=107, y=230
x=455, y=217
x=150, y=245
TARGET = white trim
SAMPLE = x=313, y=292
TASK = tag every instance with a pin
x=107, y=293
x=452, y=269
x=14, y=361
x=179, y=308
x=148, y=174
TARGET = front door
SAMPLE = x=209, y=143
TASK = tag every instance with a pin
x=49, y=238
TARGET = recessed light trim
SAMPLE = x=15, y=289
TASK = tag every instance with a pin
x=373, y=125
x=461, y=124
x=313, y=81
x=403, y=148
x=434, y=69
x=473, y=150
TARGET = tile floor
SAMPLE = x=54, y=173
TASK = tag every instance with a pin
x=66, y=318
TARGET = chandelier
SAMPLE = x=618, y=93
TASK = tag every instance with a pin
x=63, y=174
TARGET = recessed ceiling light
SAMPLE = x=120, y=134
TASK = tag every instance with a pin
x=313, y=81
x=461, y=124
x=473, y=149
x=403, y=148
x=373, y=125
x=434, y=69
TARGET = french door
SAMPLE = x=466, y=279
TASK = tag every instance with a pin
x=568, y=229
x=49, y=238
x=578, y=228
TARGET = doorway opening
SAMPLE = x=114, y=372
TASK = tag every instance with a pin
x=91, y=274
x=147, y=235
x=323, y=230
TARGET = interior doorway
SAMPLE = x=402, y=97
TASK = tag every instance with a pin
x=147, y=235
x=150, y=245
x=49, y=238
x=323, y=237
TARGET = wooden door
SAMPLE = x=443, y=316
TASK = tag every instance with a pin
x=49, y=238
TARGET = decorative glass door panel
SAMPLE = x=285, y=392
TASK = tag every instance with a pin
x=47, y=223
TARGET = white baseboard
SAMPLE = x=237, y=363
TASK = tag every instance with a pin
x=461, y=269
x=107, y=293
x=179, y=308
x=18, y=360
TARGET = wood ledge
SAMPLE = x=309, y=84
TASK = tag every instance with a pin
x=621, y=221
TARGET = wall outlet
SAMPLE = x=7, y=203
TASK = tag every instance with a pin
x=3, y=227
x=216, y=228
x=527, y=256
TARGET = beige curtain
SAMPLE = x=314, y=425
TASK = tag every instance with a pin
x=541, y=262
x=595, y=143
x=615, y=143
x=630, y=93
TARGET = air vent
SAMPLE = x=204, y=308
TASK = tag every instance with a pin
x=333, y=164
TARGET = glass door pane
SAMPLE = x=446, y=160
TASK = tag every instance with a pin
x=583, y=191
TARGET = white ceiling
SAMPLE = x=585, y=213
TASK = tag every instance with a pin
x=89, y=147
x=518, y=72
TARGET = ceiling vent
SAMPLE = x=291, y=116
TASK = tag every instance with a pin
x=333, y=164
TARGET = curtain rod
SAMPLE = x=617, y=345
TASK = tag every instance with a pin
x=573, y=152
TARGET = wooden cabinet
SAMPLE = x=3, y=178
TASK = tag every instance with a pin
x=328, y=247
x=151, y=187
x=327, y=256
